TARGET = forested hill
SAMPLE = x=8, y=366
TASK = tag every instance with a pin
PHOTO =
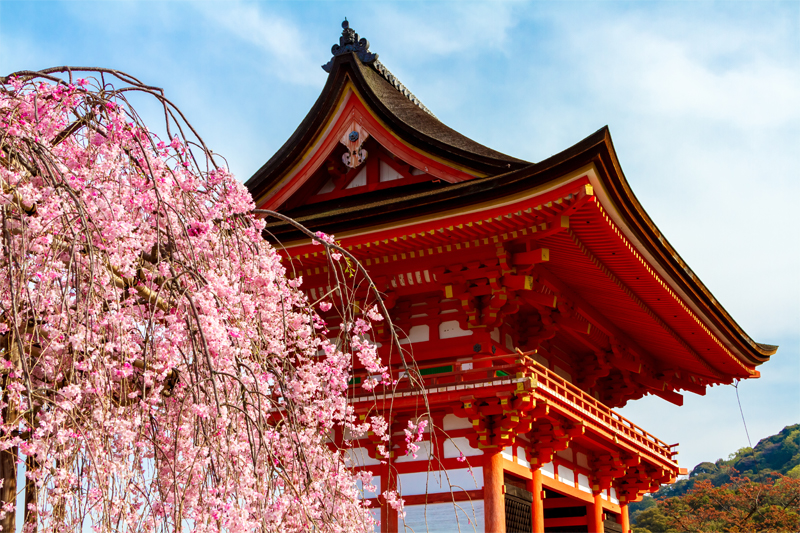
x=778, y=453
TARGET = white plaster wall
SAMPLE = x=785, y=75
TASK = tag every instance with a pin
x=360, y=457
x=582, y=460
x=419, y=333
x=360, y=180
x=388, y=173
x=509, y=342
x=522, y=457
x=456, y=446
x=436, y=482
x=583, y=483
x=565, y=454
x=451, y=330
x=459, y=517
x=508, y=453
x=423, y=454
x=452, y=422
x=566, y=475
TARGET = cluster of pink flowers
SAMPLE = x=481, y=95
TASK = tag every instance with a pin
x=414, y=433
x=160, y=372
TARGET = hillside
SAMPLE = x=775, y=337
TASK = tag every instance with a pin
x=778, y=453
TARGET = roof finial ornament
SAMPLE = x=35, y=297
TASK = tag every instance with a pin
x=349, y=42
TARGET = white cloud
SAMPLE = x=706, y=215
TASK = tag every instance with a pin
x=436, y=30
x=283, y=44
x=657, y=74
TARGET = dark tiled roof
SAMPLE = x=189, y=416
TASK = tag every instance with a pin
x=397, y=84
x=422, y=121
x=409, y=120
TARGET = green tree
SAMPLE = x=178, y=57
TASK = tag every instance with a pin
x=652, y=520
x=742, y=505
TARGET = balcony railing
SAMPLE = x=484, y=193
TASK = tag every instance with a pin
x=481, y=375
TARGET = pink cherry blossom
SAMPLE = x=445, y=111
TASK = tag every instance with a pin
x=162, y=373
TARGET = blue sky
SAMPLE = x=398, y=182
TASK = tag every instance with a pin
x=702, y=98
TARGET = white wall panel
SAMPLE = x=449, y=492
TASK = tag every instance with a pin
x=436, y=482
x=423, y=454
x=522, y=457
x=566, y=475
x=459, y=517
x=508, y=453
x=583, y=483
x=451, y=330
x=360, y=457
x=451, y=422
x=388, y=173
x=420, y=333
x=456, y=446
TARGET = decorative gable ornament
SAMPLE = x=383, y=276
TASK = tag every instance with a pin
x=349, y=42
x=353, y=139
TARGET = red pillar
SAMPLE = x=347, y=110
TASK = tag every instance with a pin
x=625, y=519
x=493, y=499
x=537, y=506
x=596, y=515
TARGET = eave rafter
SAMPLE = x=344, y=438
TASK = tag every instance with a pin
x=711, y=372
x=477, y=261
x=536, y=220
x=720, y=374
x=625, y=355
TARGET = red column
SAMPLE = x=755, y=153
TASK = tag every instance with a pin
x=624, y=519
x=596, y=515
x=493, y=499
x=537, y=506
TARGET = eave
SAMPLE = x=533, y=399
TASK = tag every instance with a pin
x=366, y=219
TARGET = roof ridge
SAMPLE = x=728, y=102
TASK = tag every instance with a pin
x=397, y=84
x=350, y=43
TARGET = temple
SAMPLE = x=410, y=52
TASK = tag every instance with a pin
x=533, y=297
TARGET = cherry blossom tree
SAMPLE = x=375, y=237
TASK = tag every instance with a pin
x=158, y=369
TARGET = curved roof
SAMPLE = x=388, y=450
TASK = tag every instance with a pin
x=409, y=121
x=498, y=178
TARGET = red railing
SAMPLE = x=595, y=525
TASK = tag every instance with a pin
x=582, y=403
x=483, y=372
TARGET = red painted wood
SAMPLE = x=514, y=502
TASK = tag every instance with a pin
x=625, y=519
x=444, y=497
x=565, y=522
x=493, y=499
x=537, y=507
x=595, y=514
x=353, y=109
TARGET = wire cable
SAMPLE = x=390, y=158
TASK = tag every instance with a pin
x=736, y=386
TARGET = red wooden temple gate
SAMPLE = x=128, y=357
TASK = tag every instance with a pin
x=535, y=298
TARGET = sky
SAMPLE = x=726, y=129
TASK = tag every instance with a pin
x=702, y=100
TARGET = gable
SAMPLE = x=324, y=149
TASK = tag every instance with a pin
x=357, y=152
x=377, y=169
